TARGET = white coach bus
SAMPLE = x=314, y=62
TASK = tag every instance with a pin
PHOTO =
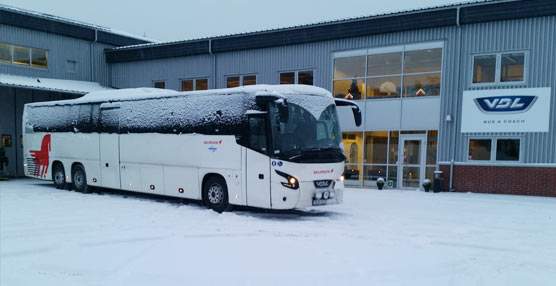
x=276, y=147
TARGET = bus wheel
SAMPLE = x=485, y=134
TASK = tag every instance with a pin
x=215, y=194
x=59, y=176
x=79, y=179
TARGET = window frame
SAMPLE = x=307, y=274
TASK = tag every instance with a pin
x=157, y=81
x=194, y=79
x=493, y=149
x=30, y=66
x=296, y=75
x=498, y=69
x=241, y=78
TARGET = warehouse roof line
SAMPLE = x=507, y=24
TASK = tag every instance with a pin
x=62, y=26
x=442, y=16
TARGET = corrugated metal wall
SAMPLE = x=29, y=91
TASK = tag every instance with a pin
x=60, y=50
x=536, y=35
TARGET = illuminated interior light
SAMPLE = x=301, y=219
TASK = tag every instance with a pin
x=180, y=190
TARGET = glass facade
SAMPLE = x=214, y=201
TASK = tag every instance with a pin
x=389, y=73
x=374, y=154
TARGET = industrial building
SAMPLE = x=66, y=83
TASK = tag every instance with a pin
x=466, y=89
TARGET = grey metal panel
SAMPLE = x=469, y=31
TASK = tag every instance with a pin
x=142, y=74
x=535, y=36
x=60, y=50
x=383, y=115
x=420, y=113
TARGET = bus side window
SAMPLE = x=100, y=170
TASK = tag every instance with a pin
x=257, y=134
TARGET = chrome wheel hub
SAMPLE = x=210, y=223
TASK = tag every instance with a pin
x=78, y=178
x=59, y=177
x=215, y=194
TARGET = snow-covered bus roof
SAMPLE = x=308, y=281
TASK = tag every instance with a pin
x=159, y=110
x=288, y=91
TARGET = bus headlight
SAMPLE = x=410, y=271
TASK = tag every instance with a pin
x=291, y=182
x=318, y=195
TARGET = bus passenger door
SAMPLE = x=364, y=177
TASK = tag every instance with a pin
x=258, y=163
x=109, y=145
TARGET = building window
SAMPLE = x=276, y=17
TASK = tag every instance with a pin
x=494, y=149
x=410, y=70
x=22, y=56
x=512, y=67
x=194, y=84
x=479, y=149
x=499, y=68
x=241, y=80
x=39, y=58
x=507, y=150
x=297, y=77
x=159, y=84
x=5, y=53
x=71, y=66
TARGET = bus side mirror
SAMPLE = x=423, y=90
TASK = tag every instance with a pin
x=354, y=108
x=356, y=115
x=283, y=111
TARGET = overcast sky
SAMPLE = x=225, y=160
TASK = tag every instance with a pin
x=172, y=20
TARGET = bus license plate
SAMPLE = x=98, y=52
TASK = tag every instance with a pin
x=319, y=202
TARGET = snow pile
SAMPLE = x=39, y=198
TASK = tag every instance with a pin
x=56, y=237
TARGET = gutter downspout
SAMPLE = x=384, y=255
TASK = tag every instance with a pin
x=213, y=65
x=455, y=108
x=91, y=56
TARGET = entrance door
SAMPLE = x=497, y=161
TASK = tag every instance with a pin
x=258, y=163
x=109, y=145
x=411, y=171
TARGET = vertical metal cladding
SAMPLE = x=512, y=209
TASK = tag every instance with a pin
x=171, y=70
x=536, y=36
x=60, y=50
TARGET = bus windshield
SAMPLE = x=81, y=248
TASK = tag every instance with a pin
x=305, y=138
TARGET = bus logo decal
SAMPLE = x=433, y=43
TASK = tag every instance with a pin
x=279, y=163
x=507, y=103
x=212, y=142
x=40, y=157
x=212, y=149
x=273, y=163
x=323, y=172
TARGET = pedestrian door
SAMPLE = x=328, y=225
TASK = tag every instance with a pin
x=411, y=167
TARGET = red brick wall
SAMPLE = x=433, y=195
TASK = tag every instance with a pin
x=533, y=181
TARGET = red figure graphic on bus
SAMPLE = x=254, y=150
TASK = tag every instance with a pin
x=40, y=157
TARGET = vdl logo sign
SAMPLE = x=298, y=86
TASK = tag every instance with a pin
x=506, y=103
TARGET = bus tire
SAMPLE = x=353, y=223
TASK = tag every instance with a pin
x=79, y=179
x=59, y=176
x=215, y=194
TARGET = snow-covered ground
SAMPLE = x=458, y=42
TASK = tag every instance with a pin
x=55, y=237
